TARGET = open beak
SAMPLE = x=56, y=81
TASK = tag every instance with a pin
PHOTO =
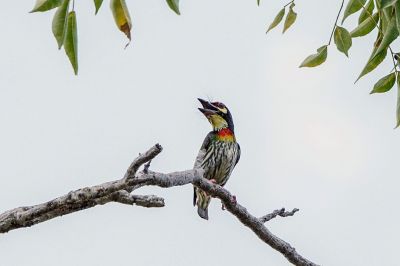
x=208, y=109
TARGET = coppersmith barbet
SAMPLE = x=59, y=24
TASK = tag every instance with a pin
x=218, y=154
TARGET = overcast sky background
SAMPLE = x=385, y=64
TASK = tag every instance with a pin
x=310, y=138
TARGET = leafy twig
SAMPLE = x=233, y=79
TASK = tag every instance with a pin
x=381, y=31
x=288, y=4
x=335, y=25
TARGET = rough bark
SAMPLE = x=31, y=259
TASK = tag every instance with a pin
x=121, y=191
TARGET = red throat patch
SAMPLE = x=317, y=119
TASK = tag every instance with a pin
x=225, y=134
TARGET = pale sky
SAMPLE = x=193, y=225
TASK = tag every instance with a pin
x=310, y=138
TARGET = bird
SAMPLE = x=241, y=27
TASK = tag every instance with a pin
x=218, y=154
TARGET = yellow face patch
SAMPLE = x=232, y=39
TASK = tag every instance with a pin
x=217, y=121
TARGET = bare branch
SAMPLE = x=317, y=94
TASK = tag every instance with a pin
x=253, y=222
x=280, y=212
x=141, y=159
x=119, y=191
x=229, y=201
x=84, y=198
x=125, y=197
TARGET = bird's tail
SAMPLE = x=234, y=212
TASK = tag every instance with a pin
x=203, y=213
x=202, y=200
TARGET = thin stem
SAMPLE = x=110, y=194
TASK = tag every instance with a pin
x=73, y=5
x=288, y=4
x=335, y=25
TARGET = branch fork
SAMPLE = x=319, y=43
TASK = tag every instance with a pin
x=120, y=191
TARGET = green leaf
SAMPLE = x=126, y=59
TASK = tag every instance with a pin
x=342, y=40
x=59, y=24
x=290, y=18
x=397, y=10
x=352, y=7
x=276, y=20
x=71, y=41
x=121, y=16
x=367, y=11
x=174, y=5
x=384, y=3
x=389, y=36
x=373, y=61
x=316, y=59
x=384, y=19
x=97, y=4
x=398, y=101
x=366, y=26
x=384, y=84
x=44, y=5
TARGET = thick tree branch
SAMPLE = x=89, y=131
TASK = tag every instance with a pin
x=125, y=197
x=84, y=198
x=229, y=201
x=120, y=191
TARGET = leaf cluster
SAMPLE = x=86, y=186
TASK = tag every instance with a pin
x=383, y=15
x=64, y=25
x=289, y=20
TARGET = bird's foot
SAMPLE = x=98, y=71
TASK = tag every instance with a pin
x=223, y=207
